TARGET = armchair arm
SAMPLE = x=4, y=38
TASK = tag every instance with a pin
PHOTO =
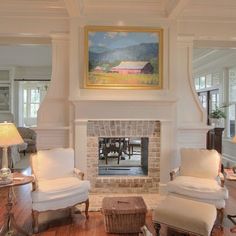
x=79, y=173
x=173, y=173
x=222, y=179
x=34, y=183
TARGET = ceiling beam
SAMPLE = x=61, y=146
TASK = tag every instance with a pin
x=173, y=8
x=75, y=8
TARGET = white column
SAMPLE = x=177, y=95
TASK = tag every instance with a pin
x=81, y=145
x=226, y=100
x=54, y=110
x=187, y=96
x=168, y=148
x=53, y=114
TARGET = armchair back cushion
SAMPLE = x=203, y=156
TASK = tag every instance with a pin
x=59, y=163
x=199, y=163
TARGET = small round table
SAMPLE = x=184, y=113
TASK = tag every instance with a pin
x=10, y=224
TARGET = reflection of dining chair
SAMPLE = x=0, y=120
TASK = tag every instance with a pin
x=112, y=148
x=133, y=142
x=57, y=185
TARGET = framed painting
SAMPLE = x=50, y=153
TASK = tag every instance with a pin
x=123, y=57
x=4, y=98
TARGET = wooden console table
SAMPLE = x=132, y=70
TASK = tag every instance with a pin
x=10, y=226
x=214, y=139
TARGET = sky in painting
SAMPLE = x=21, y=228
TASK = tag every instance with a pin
x=113, y=40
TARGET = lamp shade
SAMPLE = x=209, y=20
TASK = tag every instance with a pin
x=9, y=135
x=234, y=139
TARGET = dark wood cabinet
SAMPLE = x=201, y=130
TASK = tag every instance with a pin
x=214, y=139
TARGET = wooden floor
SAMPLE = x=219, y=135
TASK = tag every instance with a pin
x=64, y=225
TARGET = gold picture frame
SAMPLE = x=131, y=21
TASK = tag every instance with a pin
x=123, y=57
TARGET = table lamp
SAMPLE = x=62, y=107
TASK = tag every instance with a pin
x=9, y=136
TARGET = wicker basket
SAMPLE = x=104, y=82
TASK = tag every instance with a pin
x=124, y=214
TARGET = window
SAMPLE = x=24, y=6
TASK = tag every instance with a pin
x=197, y=83
x=214, y=100
x=216, y=79
x=209, y=81
x=210, y=100
x=232, y=120
x=32, y=96
x=203, y=99
x=232, y=101
x=202, y=82
x=31, y=102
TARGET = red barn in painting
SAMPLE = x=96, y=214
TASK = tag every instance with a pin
x=133, y=67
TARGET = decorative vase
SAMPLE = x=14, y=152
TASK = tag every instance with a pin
x=218, y=123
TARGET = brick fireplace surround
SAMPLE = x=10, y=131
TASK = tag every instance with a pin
x=121, y=128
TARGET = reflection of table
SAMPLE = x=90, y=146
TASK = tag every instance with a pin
x=230, y=175
x=10, y=225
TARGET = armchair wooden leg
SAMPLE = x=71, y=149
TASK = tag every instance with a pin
x=86, y=208
x=157, y=228
x=72, y=211
x=220, y=215
x=35, y=222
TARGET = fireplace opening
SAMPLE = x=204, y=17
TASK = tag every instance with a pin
x=123, y=156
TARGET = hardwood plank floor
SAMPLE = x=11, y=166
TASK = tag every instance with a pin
x=63, y=225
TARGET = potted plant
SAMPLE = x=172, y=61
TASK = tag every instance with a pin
x=217, y=117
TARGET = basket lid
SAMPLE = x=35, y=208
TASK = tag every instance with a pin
x=123, y=205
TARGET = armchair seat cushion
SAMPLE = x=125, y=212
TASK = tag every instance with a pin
x=219, y=203
x=60, y=188
x=197, y=188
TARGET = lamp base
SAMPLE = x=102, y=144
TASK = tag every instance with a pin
x=5, y=176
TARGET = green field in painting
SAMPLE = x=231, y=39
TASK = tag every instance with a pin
x=98, y=78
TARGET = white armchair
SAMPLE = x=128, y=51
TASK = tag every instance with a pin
x=57, y=184
x=199, y=178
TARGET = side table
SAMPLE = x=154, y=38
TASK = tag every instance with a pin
x=10, y=226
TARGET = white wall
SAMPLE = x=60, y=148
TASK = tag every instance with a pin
x=185, y=114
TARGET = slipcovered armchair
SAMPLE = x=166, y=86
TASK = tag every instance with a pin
x=57, y=184
x=199, y=178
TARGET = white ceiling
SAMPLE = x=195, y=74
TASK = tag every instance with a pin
x=35, y=55
x=213, y=59
x=25, y=55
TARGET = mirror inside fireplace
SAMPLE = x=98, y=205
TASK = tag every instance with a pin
x=123, y=156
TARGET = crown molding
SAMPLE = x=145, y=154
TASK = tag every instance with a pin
x=175, y=7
